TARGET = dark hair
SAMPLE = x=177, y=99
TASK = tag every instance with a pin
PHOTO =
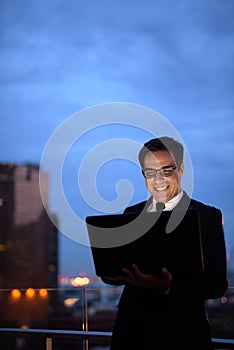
x=164, y=143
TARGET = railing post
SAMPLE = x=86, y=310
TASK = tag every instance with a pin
x=85, y=318
x=49, y=345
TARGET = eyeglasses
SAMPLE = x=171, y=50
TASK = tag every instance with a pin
x=165, y=171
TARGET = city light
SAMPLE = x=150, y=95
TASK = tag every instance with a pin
x=30, y=293
x=69, y=302
x=15, y=294
x=2, y=247
x=80, y=281
x=43, y=293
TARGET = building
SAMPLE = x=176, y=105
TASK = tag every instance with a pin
x=28, y=240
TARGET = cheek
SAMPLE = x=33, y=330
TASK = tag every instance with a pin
x=149, y=185
x=175, y=184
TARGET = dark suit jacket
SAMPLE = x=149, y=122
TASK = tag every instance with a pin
x=186, y=298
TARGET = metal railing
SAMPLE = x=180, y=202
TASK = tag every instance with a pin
x=85, y=336
x=49, y=334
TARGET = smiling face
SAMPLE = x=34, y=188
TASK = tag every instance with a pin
x=162, y=188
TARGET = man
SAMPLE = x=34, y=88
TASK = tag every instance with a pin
x=159, y=311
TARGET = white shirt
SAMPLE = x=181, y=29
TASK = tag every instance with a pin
x=168, y=205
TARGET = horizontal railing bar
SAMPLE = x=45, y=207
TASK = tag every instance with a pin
x=224, y=343
x=84, y=335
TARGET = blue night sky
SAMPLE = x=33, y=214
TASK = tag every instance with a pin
x=61, y=57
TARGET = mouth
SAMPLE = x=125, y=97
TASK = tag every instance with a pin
x=159, y=189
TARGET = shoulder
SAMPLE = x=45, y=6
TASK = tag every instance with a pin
x=210, y=216
x=137, y=208
x=203, y=206
x=193, y=203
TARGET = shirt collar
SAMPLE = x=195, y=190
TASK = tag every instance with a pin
x=168, y=205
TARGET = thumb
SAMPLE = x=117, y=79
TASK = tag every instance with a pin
x=166, y=273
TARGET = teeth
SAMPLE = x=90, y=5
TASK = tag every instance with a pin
x=161, y=188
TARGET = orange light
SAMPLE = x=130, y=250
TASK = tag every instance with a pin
x=2, y=246
x=223, y=300
x=24, y=326
x=30, y=293
x=15, y=293
x=69, y=302
x=43, y=293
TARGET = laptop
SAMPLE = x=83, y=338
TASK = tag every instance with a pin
x=170, y=239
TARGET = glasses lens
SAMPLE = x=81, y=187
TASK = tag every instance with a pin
x=149, y=173
x=164, y=172
x=167, y=171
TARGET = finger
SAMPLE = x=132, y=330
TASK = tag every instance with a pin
x=136, y=269
x=128, y=273
x=164, y=271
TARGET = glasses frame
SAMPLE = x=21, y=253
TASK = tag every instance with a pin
x=160, y=171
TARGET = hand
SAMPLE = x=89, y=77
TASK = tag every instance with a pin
x=161, y=281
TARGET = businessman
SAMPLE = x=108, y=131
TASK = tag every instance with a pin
x=160, y=311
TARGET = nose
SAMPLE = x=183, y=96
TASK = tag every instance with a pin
x=158, y=176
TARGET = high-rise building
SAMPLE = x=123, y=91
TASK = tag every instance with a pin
x=28, y=238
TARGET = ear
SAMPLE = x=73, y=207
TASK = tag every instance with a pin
x=181, y=171
x=146, y=183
